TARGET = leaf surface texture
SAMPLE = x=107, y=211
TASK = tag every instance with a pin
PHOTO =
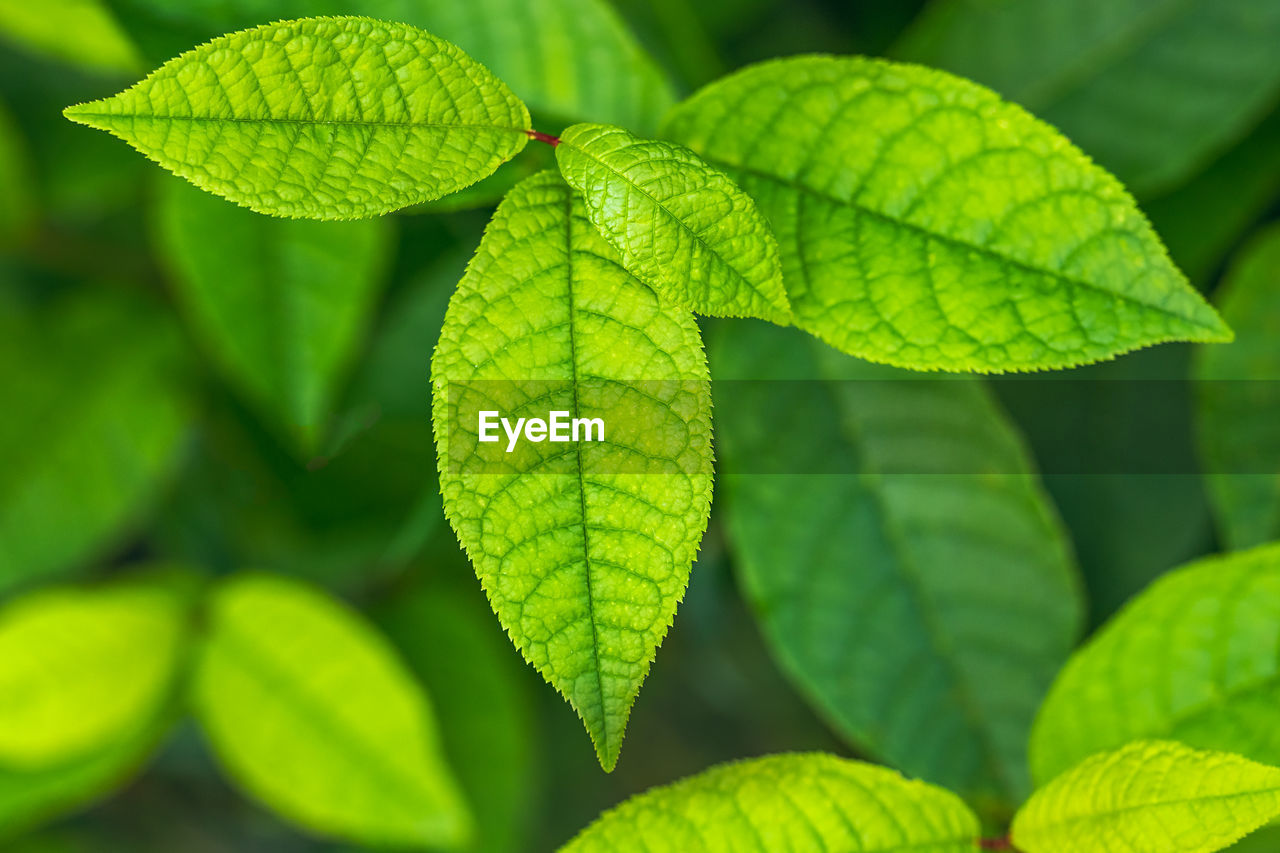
x=925, y=223
x=320, y=118
x=584, y=551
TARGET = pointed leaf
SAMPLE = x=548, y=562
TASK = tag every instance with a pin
x=1239, y=399
x=927, y=224
x=83, y=669
x=571, y=59
x=682, y=227
x=1150, y=797
x=281, y=305
x=310, y=711
x=906, y=568
x=320, y=118
x=1151, y=88
x=787, y=802
x=93, y=421
x=1193, y=658
x=584, y=549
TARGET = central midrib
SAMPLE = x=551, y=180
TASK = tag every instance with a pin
x=407, y=125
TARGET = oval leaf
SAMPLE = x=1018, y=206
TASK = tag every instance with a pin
x=927, y=224
x=787, y=802
x=281, y=305
x=1150, y=797
x=584, y=549
x=1151, y=88
x=320, y=118
x=81, y=669
x=682, y=227
x=1193, y=659
x=904, y=564
x=312, y=713
x=1238, y=399
x=94, y=419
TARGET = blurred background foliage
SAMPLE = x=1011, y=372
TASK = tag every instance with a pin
x=189, y=384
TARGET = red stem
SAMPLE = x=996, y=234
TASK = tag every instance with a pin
x=553, y=141
x=996, y=844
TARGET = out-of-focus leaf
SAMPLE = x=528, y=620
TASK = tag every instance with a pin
x=385, y=116
x=787, y=802
x=1151, y=88
x=1200, y=220
x=569, y=58
x=1150, y=797
x=921, y=594
x=1193, y=659
x=93, y=418
x=1239, y=400
x=82, y=669
x=482, y=698
x=81, y=32
x=682, y=227
x=281, y=305
x=926, y=223
x=311, y=712
x=547, y=319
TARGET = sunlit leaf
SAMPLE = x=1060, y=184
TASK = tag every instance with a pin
x=1150, y=797
x=584, y=549
x=1193, y=658
x=679, y=225
x=320, y=118
x=787, y=802
x=310, y=711
x=925, y=223
x=80, y=32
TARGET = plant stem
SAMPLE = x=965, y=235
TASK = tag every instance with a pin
x=553, y=141
x=997, y=844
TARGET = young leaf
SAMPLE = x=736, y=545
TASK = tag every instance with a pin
x=1239, y=399
x=787, y=802
x=1152, y=88
x=584, y=552
x=927, y=224
x=310, y=712
x=80, y=32
x=82, y=669
x=680, y=226
x=907, y=571
x=572, y=59
x=320, y=118
x=280, y=304
x=93, y=421
x=1191, y=659
x=1150, y=797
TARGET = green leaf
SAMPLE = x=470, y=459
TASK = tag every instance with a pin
x=1150, y=797
x=94, y=419
x=29, y=798
x=1191, y=659
x=680, y=226
x=787, y=802
x=573, y=59
x=80, y=32
x=904, y=564
x=281, y=305
x=81, y=669
x=320, y=118
x=1152, y=88
x=584, y=552
x=1238, y=399
x=483, y=699
x=311, y=712
x=927, y=224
